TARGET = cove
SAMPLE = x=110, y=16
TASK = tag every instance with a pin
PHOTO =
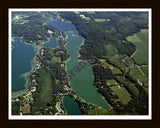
x=82, y=83
x=52, y=43
x=22, y=56
x=71, y=106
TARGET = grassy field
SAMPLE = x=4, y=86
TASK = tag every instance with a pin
x=20, y=21
x=111, y=82
x=133, y=89
x=26, y=109
x=116, y=71
x=145, y=31
x=136, y=74
x=100, y=111
x=133, y=38
x=129, y=61
x=46, y=88
x=117, y=61
x=100, y=20
x=141, y=41
x=122, y=94
x=56, y=59
x=91, y=12
x=145, y=70
x=111, y=49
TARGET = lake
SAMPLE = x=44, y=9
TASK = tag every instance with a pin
x=71, y=106
x=22, y=56
x=52, y=43
x=82, y=82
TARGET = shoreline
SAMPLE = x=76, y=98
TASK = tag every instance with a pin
x=26, y=74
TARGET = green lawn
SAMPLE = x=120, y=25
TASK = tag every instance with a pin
x=122, y=94
x=140, y=39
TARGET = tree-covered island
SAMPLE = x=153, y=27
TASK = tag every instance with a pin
x=115, y=44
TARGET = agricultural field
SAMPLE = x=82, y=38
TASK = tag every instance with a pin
x=122, y=94
x=111, y=82
x=145, y=31
x=141, y=41
x=91, y=12
x=145, y=69
x=46, y=89
x=137, y=74
x=129, y=61
x=100, y=111
x=26, y=109
x=128, y=85
x=101, y=20
x=116, y=71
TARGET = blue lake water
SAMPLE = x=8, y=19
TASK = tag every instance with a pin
x=64, y=26
x=52, y=43
x=71, y=106
x=22, y=55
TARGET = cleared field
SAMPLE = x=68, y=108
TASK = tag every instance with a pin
x=113, y=55
x=136, y=74
x=56, y=59
x=26, y=109
x=145, y=31
x=20, y=21
x=45, y=94
x=141, y=41
x=145, y=70
x=91, y=12
x=128, y=85
x=122, y=94
x=116, y=71
x=101, y=20
x=129, y=61
x=117, y=61
x=133, y=38
x=100, y=111
x=111, y=82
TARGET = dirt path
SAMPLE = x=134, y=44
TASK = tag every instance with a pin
x=141, y=70
x=134, y=53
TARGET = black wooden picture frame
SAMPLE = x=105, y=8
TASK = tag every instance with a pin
x=153, y=4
